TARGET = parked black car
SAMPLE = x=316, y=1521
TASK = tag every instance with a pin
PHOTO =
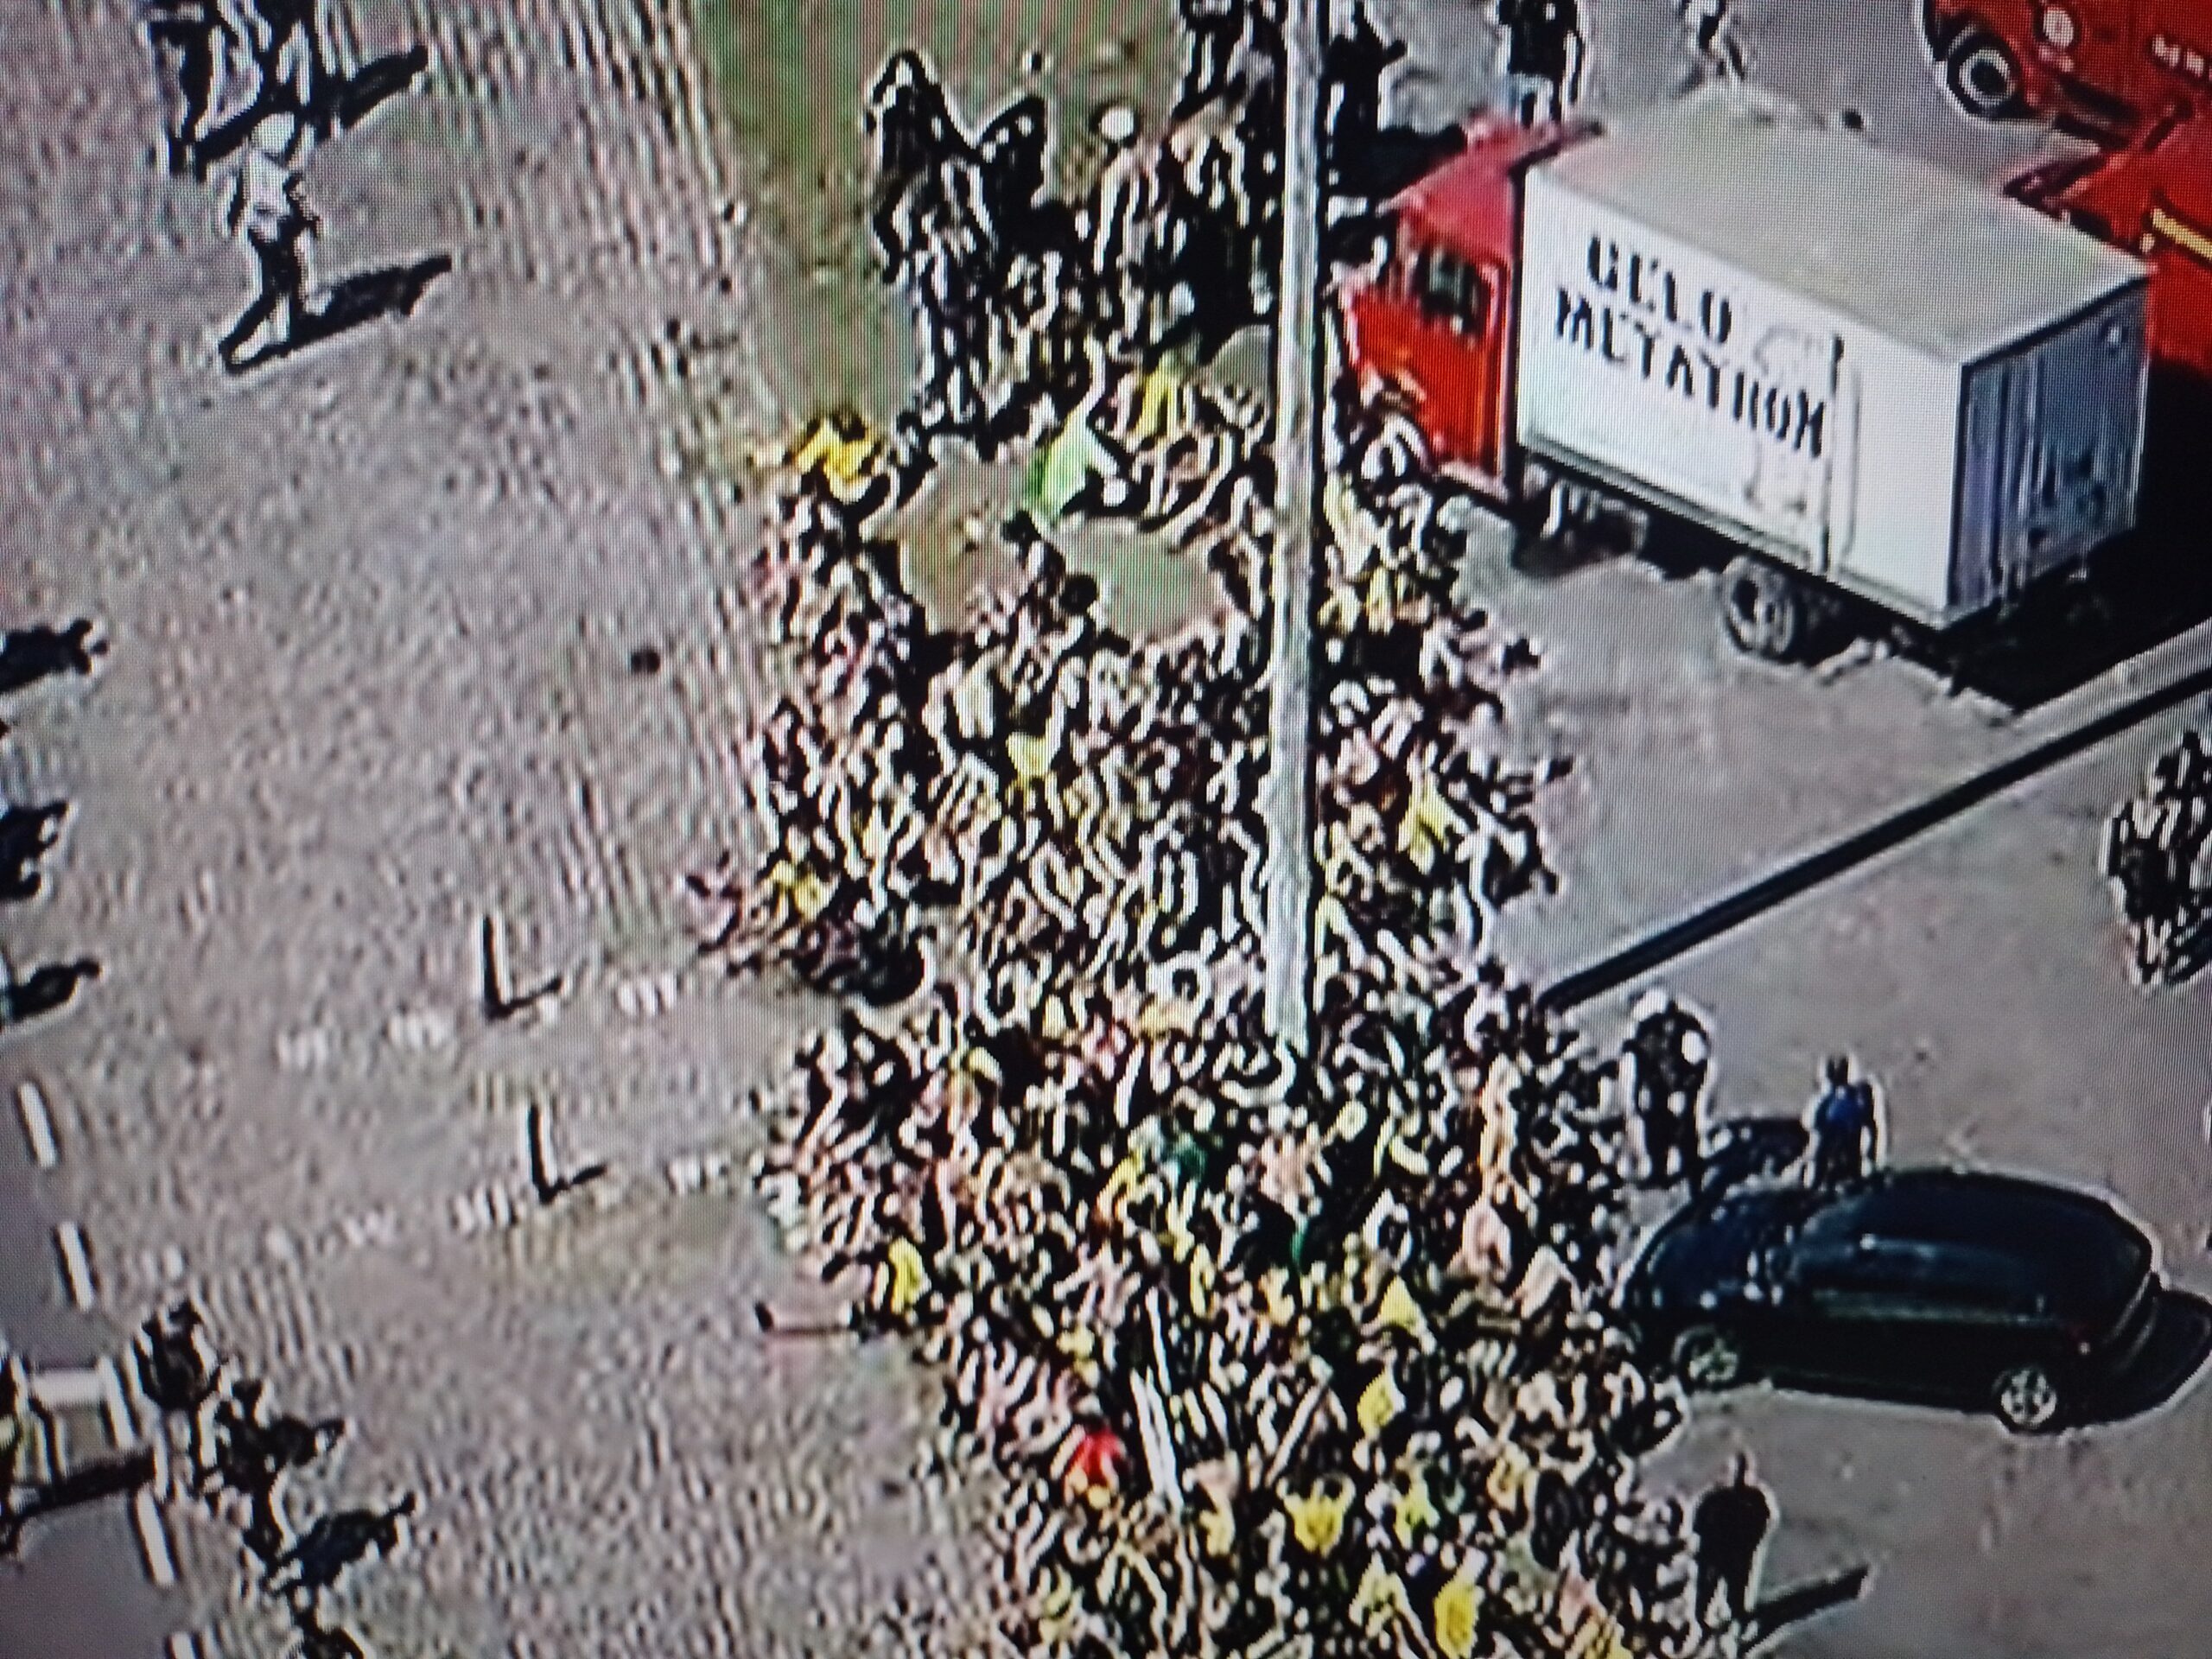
x=1927, y=1283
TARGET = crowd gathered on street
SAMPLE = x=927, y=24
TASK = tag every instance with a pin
x=1273, y=1347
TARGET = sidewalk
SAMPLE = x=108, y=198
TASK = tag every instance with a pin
x=372, y=610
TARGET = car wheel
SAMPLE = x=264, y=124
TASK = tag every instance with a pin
x=2027, y=1399
x=1763, y=609
x=1984, y=76
x=1707, y=1359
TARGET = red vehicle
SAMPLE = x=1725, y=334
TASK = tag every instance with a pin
x=1437, y=329
x=2153, y=198
x=2104, y=65
x=1682, y=313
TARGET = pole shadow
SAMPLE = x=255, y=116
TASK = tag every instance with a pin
x=354, y=302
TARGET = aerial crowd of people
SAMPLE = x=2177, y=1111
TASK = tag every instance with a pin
x=1270, y=1347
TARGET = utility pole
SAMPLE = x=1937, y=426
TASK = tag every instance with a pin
x=1289, y=792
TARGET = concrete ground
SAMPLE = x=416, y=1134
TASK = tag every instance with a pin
x=371, y=611
x=1977, y=972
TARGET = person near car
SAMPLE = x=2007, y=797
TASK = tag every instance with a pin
x=1846, y=1136
x=1669, y=1051
x=1731, y=1524
x=1544, y=50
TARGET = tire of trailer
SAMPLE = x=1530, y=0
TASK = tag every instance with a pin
x=1984, y=74
x=1767, y=611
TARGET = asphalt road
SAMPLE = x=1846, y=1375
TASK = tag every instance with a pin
x=77, y=1589
x=1977, y=971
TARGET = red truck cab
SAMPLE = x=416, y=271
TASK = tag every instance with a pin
x=1434, y=333
x=2102, y=65
x=2152, y=198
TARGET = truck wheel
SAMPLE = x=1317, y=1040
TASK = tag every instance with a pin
x=1984, y=75
x=1764, y=609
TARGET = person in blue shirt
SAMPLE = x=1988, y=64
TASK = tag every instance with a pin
x=1846, y=1136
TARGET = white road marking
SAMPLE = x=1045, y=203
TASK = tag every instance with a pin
x=646, y=995
x=38, y=1127
x=74, y=1390
x=154, y=1541
x=116, y=1401
x=304, y=1050
x=184, y=1645
x=76, y=1264
x=421, y=1030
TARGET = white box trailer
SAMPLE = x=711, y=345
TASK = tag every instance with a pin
x=1862, y=368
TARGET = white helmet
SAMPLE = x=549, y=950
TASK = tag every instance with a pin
x=1117, y=124
x=275, y=135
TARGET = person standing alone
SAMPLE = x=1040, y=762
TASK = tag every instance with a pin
x=269, y=213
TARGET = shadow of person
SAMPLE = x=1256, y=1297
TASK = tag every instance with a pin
x=2179, y=1344
x=1776, y=1614
x=356, y=302
x=29, y=655
x=352, y=101
x=45, y=990
x=91, y=1482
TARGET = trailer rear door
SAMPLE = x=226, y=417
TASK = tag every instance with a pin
x=2053, y=432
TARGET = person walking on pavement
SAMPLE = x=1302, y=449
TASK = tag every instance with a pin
x=1352, y=72
x=26, y=1437
x=1731, y=1524
x=1846, y=1128
x=289, y=42
x=1708, y=27
x=1544, y=52
x=269, y=213
x=176, y=1374
x=191, y=35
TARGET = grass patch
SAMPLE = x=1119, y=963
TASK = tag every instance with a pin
x=790, y=78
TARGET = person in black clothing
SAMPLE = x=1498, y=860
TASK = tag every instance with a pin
x=1352, y=86
x=1670, y=1054
x=1211, y=31
x=1846, y=1137
x=1010, y=153
x=1731, y=1524
x=26, y=833
x=1544, y=49
x=914, y=131
x=187, y=33
x=176, y=1374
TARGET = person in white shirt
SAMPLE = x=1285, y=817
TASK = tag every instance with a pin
x=269, y=213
